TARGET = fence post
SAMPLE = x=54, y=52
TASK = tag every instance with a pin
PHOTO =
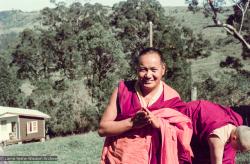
x=150, y=34
x=194, y=93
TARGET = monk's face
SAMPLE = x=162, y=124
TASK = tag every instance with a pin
x=150, y=71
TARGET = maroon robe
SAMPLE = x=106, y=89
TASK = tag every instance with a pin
x=206, y=117
x=128, y=104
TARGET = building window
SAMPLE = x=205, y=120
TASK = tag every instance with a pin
x=13, y=126
x=32, y=127
x=4, y=125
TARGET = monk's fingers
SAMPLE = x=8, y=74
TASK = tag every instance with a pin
x=141, y=124
x=154, y=122
x=153, y=118
x=140, y=116
x=149, y=113
x=142, y=113
x=150, y=116
x=146, y=110
x=140, y=120
x=149, y=121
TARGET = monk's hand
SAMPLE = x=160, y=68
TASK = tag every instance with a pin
x=152, y=119
x=140, y=119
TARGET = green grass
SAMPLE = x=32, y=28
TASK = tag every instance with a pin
x=72, y=149
x=222, y=45
x=243, y=158
x=82, y=149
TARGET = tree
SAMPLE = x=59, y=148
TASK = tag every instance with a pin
x=25, y=56
x=130, y=21
x=9, y=86
x=237, y=25
x=75, y=44
x=79, y=54
x=102, y=55
x=231, y=89
x=192, y=5
x=241, y=8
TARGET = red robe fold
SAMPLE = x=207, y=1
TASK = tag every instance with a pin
x=206, y=117
x=149, y=145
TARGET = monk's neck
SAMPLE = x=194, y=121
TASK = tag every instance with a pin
x=149, y=93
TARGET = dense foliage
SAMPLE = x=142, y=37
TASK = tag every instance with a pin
x=232, y=86
x=229, y=88
x=73, y=62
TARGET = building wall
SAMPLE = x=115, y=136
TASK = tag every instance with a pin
x=7, y=129
x=23, y=128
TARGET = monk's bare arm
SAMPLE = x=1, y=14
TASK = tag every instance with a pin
x=108, y=126
x=216, y=147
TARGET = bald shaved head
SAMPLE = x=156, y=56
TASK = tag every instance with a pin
x=243, y=133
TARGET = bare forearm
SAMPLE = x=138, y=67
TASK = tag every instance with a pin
x=215, y=159
x=113, y=128
x=216, y=147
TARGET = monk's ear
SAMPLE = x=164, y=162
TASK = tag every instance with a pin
x=234, y=137
x=164, y=67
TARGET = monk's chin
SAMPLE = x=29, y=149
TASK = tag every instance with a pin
x=148, y=87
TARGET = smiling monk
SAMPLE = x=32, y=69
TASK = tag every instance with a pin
x=141, y=122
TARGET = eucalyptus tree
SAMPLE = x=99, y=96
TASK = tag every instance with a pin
x=130, y=21
x=74, y=44
x=235, y=23
x=237, y=26
x=103, y=58
x=9, y=85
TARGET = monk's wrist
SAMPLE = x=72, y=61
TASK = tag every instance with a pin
x=157, y=125
x=129, y=123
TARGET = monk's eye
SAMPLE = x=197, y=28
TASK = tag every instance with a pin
x=142, y=69
x=154, y=70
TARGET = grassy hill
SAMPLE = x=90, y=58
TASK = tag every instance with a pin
x=12, y=23
x=197, y=21
x=69, y=150
x=217, y=36
x=16, y=21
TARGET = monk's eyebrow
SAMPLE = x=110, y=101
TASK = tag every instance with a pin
x=151, y=68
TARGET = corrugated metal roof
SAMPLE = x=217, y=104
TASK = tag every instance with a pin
x=22, y=112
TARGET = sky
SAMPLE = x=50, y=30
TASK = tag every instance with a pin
x=35, y=5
